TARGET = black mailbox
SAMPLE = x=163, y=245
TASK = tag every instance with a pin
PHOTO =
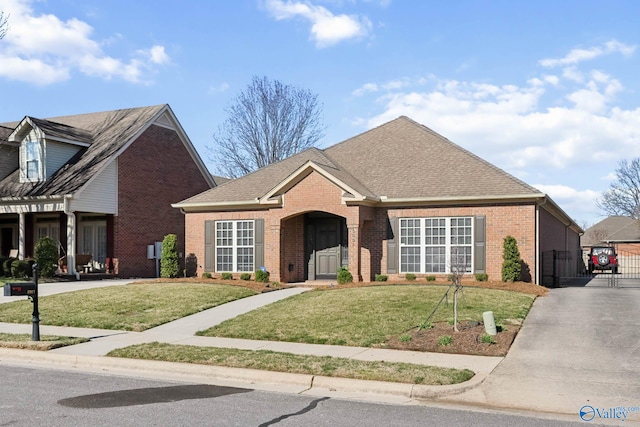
x=12, y=289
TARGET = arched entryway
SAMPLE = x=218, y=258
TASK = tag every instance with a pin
x=326, y=245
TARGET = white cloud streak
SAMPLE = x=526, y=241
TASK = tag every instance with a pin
x=327, y=29
x=59, y=48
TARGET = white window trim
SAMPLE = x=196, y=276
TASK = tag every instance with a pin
x=27, y=159
x=234, y=245
x=423, y=244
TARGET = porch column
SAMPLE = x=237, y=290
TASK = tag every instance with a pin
x=71, y=243
x=355, y=237
x=272, y=254
x=21, y=235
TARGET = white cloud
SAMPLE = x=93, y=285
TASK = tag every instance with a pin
x=158, y=55
x=58, y=48
x=578, y=55
x=554, y=128
x=365, y=88
x=326, y=28
x=222, y=87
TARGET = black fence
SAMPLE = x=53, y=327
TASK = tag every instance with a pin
x=560, y=267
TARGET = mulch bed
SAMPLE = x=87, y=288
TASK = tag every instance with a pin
x=467, y=341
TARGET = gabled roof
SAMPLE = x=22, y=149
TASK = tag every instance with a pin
x=54, y=131
x=398, y=162
x=107, y=134
x=614, y=229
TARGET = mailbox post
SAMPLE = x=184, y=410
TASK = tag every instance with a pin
x=29, y=289
x=35, y=317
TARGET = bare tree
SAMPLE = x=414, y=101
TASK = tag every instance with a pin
x=458, y=267
x=623, y=195
x=267, y=122
x=4, y=24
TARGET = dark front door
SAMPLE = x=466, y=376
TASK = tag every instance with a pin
x=6, y=240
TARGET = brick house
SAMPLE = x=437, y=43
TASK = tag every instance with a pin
x=393, y=200
x=100, y=184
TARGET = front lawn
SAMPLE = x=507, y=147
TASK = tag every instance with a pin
x=47, y=342
x=366, y=316
x=134, y=307
x=300, y=364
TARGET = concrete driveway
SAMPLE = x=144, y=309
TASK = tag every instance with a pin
x=577, y=347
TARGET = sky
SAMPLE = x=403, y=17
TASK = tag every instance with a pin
x=546, y=90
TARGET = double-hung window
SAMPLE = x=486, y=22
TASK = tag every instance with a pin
x=234, y=246
x=32, y=160
x=436, y=245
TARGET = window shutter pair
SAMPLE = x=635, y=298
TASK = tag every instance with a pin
x=479, y=245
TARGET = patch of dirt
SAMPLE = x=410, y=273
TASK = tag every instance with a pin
x=467, y=341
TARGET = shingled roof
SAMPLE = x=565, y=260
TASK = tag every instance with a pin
x=105, y=132
x=611, y=230
x=401, y=160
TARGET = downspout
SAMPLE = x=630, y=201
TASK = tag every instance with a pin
x=71, y=237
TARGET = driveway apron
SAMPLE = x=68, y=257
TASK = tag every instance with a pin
x=577, y=347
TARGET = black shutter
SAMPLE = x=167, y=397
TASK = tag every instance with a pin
x=392, y=246
x=209, y=242
x=479, y=245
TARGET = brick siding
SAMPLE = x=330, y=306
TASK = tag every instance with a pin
x=155, y=171
x=284, y=229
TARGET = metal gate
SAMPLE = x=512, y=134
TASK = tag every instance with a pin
x=567, y=268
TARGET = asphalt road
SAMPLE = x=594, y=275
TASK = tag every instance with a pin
x=33, y=397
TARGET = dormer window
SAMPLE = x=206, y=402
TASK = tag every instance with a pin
x=33, y=161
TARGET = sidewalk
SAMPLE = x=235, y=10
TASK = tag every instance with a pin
x=182, y=331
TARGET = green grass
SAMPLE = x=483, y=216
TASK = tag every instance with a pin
x=366, y=316
x=293, y=363
x=133, y=307
x=47, y=342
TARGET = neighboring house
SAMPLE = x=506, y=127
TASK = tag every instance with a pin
x=396, y=199
x=100, y=184
x=621, y=231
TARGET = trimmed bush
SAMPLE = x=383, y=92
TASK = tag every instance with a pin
x=344, y=276
x=46, y=252
x=6, y=266
x=431, y=278
x=227, y=276
x=21, y=269
x=262, y=276
x=191, y=265
x=245, y=276
x=169, y=264
x=512, y=263
x=481, y=277
x=410, y=277
x=206, y=275
x=381, y=278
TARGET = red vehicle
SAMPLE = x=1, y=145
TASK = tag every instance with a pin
x=603, y=258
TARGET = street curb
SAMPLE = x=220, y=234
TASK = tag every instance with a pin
x=299, y=383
